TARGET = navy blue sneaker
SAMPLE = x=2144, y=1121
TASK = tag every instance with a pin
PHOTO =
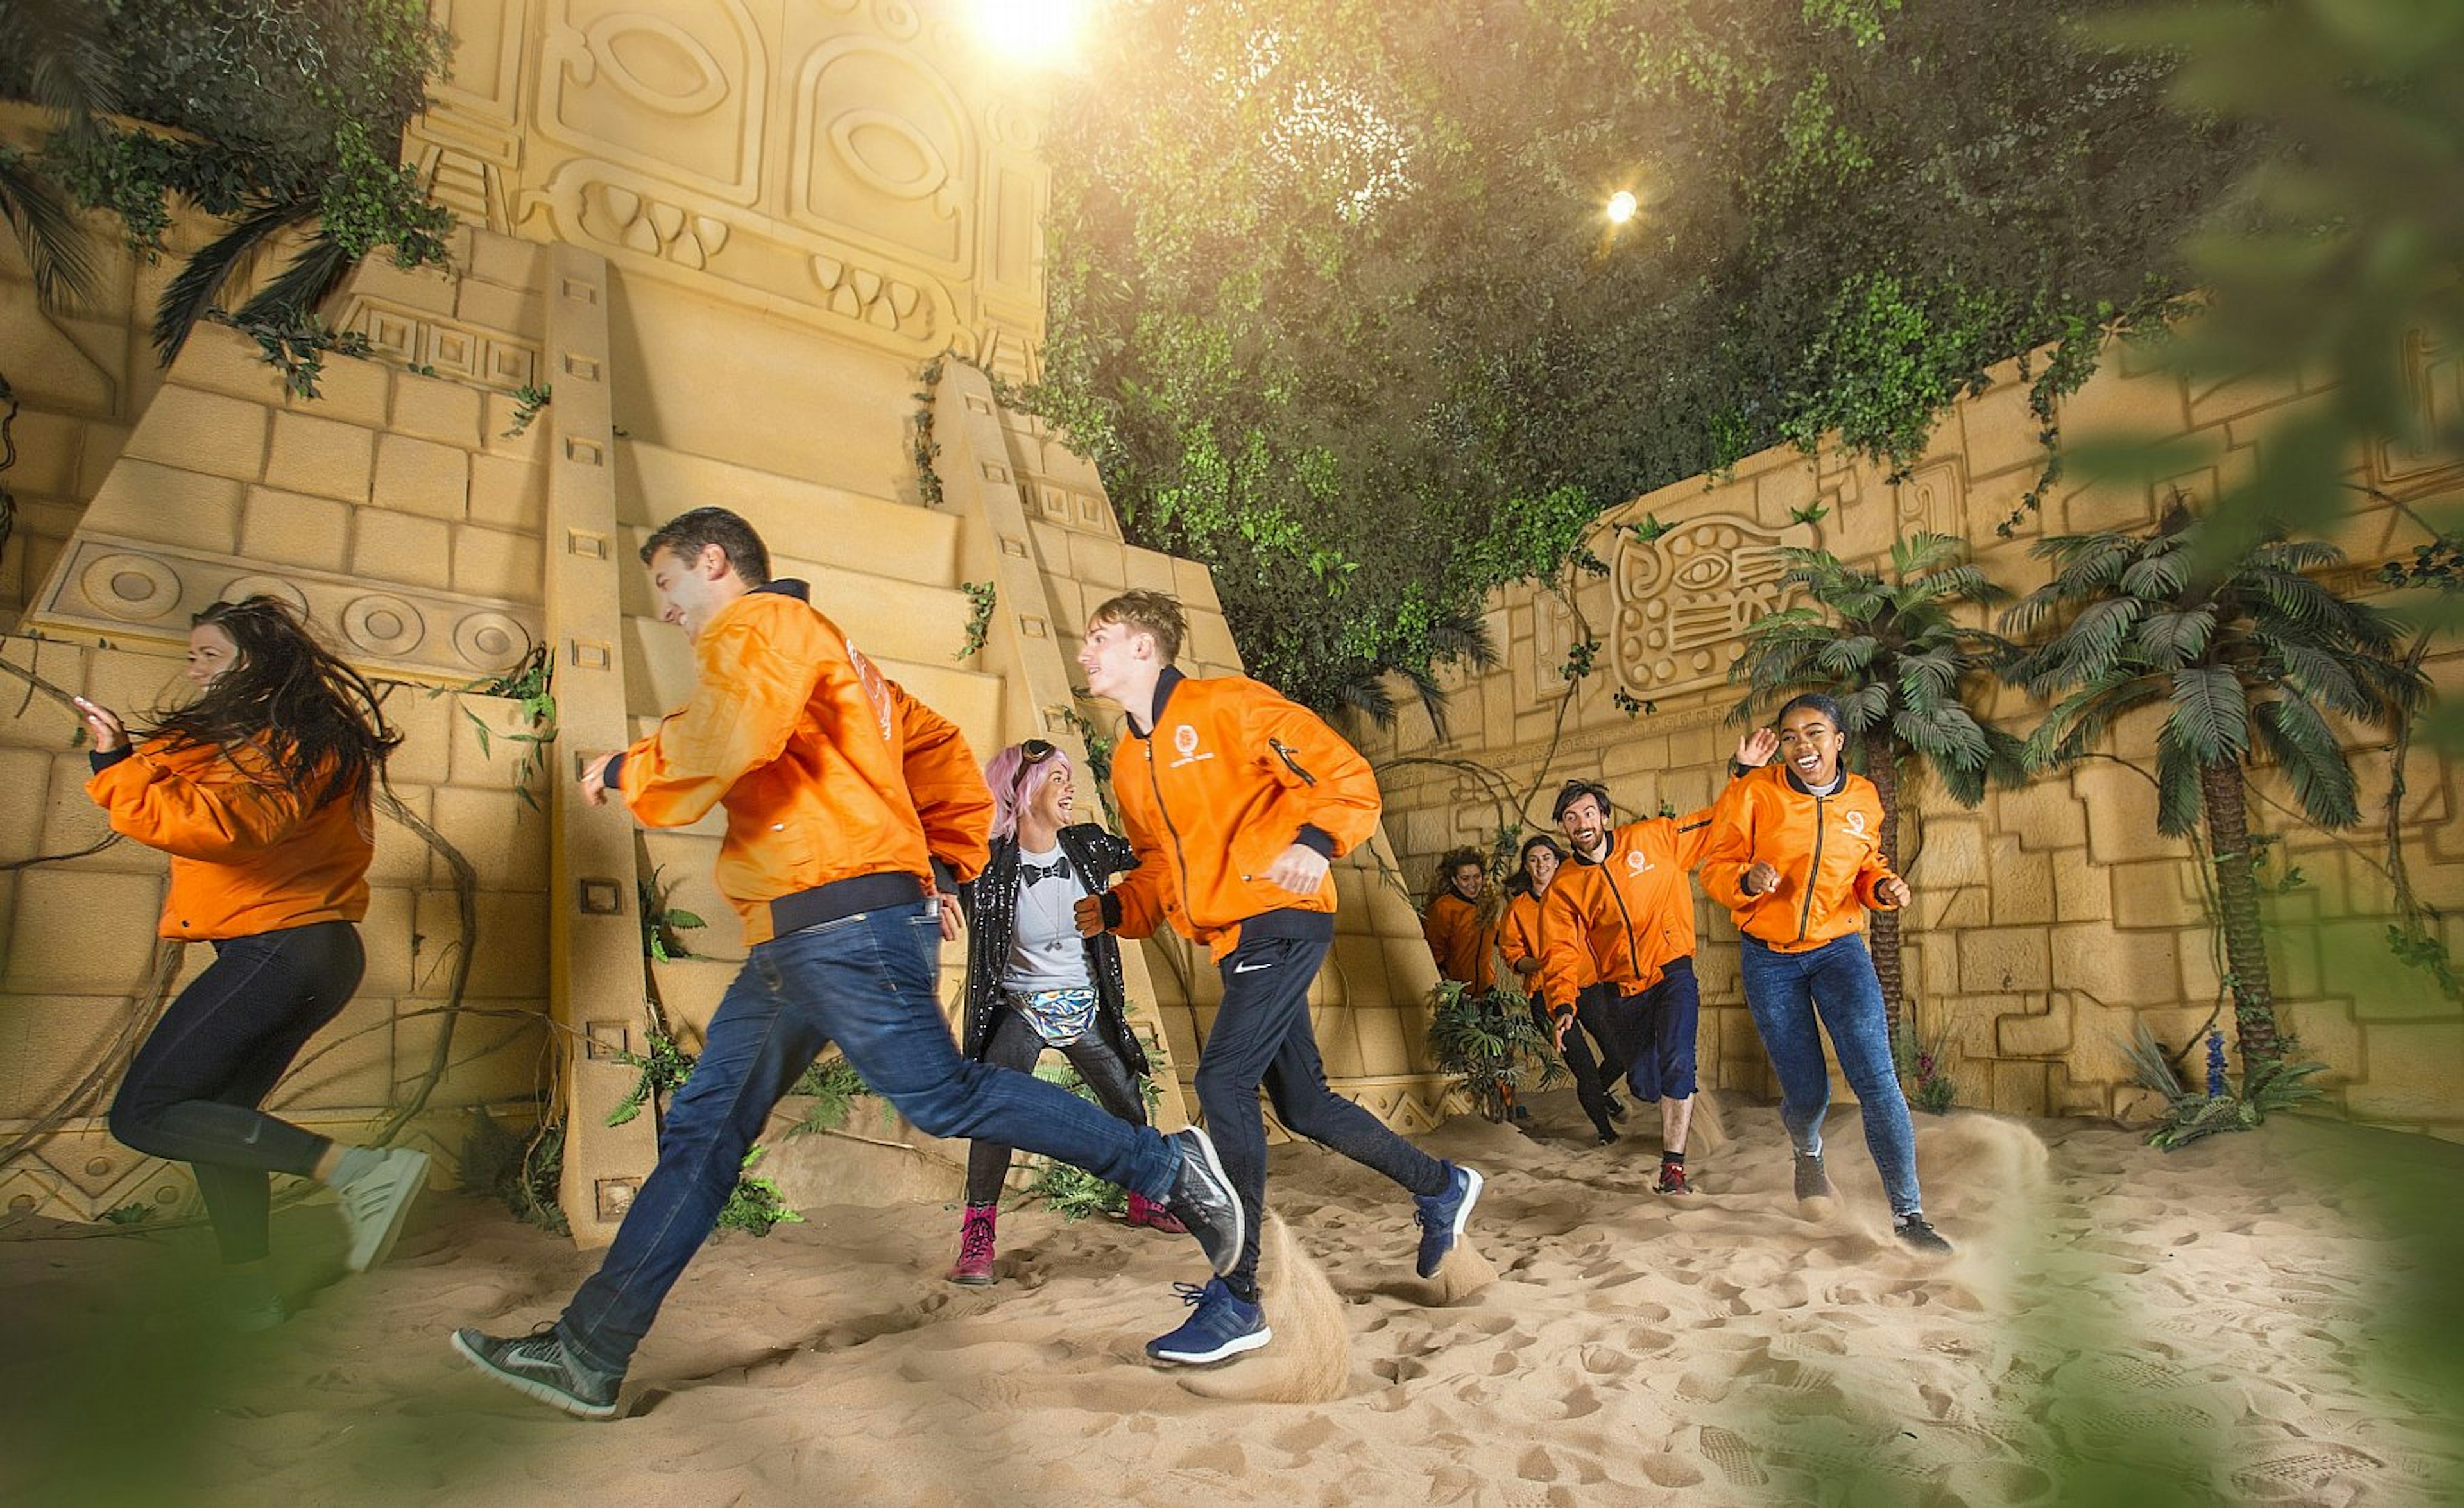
x=1442, y=1217
x=1225, y=1326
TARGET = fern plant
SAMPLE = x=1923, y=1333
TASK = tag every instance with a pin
x=1488, y=1042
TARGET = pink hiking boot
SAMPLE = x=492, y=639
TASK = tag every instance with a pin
x=974, y=1265
x=1144, y=1212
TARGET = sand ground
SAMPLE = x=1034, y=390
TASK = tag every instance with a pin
x=2227, y=1323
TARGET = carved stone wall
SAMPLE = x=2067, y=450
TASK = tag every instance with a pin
x=2051, y=920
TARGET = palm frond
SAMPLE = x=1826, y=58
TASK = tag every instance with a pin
x=2092, y=647
x=2175, y=638
x=2211, y=718
x=46, y=228
x=2155, y=576
x=317, y=270
x=210, y=266
x=2306, y=749
x=2317, y=674
x=2178, y=799
x=1846, y=654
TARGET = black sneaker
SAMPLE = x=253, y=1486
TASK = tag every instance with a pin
x=1202, y=1199
x=1918, y=1236
x=538, y=1365
x=1617, y=1108
x=1608, y=1137
x=1811, y=1182
x=1442, y=1217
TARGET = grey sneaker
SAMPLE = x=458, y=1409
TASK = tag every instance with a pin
x=1811, y=1182
x=539, y=1366
x=1917, y=1235
x=377, y=1204
x=1203, y=1200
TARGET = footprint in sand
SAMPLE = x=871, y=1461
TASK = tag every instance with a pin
x=1728, y=1450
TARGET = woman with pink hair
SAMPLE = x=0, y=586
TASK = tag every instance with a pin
x=1032, y=981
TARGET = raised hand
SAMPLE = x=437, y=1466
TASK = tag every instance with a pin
x=103, y=725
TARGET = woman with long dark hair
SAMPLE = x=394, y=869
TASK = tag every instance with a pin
x=260, y=790
x=1518, y=941
x=1033, y=982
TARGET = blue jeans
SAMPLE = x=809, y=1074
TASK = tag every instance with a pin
x=1783, y=992
x=868, y=983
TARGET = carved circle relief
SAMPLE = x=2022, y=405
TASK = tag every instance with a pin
x=888, y=153
x=384, y=625
x=898, y=19
x=490, y=641
x=135, y=588
x=656, y=63
x=243, y=587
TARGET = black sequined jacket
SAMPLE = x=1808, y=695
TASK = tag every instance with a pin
x=1096, y=856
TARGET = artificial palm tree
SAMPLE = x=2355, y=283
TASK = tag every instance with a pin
x=1903, y=667
x=2249, y=656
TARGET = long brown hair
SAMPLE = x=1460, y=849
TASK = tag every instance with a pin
x=291, y=699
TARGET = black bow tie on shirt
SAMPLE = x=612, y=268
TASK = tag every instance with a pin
x=1029, y=874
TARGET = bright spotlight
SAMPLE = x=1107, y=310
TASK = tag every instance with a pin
x=1621, y=207
x=1037, y=33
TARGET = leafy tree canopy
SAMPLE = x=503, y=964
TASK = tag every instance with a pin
x=1335, y=308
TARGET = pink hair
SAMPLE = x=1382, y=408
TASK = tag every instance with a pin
x=1002, y=774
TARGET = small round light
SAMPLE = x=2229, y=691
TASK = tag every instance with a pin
x=1621, y=207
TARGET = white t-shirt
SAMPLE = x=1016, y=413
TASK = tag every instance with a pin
x=1045, y=952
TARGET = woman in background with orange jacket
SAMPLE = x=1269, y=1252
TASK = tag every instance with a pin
x=260, y=792
x=1796, y=855
x=1518, y=943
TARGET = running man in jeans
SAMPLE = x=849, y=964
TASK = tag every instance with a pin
x=1235, y=800
x=819, y=762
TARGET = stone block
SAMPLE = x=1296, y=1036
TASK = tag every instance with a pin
x=2020, y=1089
x=2414, y=1070
x=2328, y=1033
x=351, y=388
x=496, y=1056
x=493, y=563
x=690, y=990
x=1098, y=563
x=198, y=430
x=2120, y=810
x=221, y=360
x=83, y=932
x=505, y=841
x=401, y=854
x=100, y=451
x=434, y=408
x=510, y=956
x=1999, y=959
x=429, y=290
x=169, y=506
x=423, y=478
x=513, y=311
x=684, y=864
x=2024, y=1028
x=2117, y=968
x=397, y=954
x=322, y=457
x=48, y=446
x=290, y=528
x=400, y=547
x=1148, y=570
x=2154, y=893
x=425, y=721
x=497, y=436
x=1953, y=852
x=2357, y=964
x=505, y=260
x=1195, y=584
x=2082, y=892
x=25, y=784
x=2021, y=883
x=509, y=494
x=1998, y=431
x=71, y=822
x=2115, y=403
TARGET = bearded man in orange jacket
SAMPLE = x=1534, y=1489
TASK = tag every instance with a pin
x=1619, y=922
x=1237, y=800
x=852, y=812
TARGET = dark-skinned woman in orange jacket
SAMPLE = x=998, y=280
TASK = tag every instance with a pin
x=259, y=789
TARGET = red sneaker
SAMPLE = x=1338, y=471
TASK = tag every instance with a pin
x=1672, y=1180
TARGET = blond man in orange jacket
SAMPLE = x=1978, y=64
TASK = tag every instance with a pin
x=1797, y=860
x=1235, y=800
x=820, y=764
x=1619, y=922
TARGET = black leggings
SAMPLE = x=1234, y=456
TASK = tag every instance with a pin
x=1596, y=1079
x=1014, y=1045
x=193, y=1090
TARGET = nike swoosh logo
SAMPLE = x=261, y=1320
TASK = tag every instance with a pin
x=1249, y=968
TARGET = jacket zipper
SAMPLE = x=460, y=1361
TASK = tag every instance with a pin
x=1633, y=948
x=1813, y=872
x=1292, y=762
x=1154, y=783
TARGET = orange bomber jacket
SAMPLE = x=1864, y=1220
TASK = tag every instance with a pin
x=1518, y=939
x=826, y=769
x=1828, y=851
x=1460, y=940
x=1232, y=774
x=250, y=853
x=1624, y=920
